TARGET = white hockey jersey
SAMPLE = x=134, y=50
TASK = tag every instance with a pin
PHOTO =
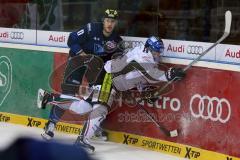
x=143, y=70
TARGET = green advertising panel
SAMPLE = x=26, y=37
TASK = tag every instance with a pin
x=22, y=72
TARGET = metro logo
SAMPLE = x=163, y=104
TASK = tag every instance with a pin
x=179, y=49
x=232, y=54
x=57, y=38
x=4, y=35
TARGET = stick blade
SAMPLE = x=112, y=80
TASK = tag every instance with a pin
x=174, y=133
x=228, y=21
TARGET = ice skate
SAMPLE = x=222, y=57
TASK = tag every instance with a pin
x=81, y=142
x=48, y=131
x=100, y=135
x=43, y=98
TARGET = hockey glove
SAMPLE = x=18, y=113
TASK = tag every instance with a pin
x=152, y=100
x=175, y=73
x=149, y=94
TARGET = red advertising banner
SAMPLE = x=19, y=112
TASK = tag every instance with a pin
x=203, y=107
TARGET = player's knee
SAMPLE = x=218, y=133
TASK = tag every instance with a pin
x=81, y=107
x=99, y=110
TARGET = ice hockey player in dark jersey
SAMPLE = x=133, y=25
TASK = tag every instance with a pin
x=99, y=39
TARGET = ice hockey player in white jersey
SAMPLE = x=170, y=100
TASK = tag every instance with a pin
x=139, y=67
x=135, y=69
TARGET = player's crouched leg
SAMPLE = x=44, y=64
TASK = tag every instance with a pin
x=91, y=126
x=100, y=134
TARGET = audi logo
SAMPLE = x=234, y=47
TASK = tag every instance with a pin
x=129, y=44
x=17, y=35
x=210, y=108
x=191, y=49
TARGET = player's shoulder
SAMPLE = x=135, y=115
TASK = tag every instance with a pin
x=139, y=51
x=139, y=48
x=136, y=51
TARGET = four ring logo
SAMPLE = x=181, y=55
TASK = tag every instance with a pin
x=191, y=49
x=17, y=35
x=210, y=108
x=129, y=44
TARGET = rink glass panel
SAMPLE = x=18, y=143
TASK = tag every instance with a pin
x=199, y=20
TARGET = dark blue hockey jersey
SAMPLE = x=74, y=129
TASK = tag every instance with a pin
x=91, y=40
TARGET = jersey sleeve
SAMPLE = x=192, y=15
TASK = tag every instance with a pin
x=154, y=75
x=136, y=60
x=118, y=64
x=77, y=38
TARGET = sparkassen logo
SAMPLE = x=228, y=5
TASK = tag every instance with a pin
x=5, y=78
x=17, y=35
x=213, y=108
x=194, y=49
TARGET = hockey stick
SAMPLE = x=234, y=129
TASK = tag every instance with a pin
x=174, y=133
x=228, y=21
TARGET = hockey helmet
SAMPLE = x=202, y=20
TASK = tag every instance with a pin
x=154, y=44
x=111, y=13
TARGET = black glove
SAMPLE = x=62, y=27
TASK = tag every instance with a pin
x=175, y=73
x=152, y=100
x=149, y=94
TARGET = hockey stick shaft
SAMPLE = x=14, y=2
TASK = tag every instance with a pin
x=228, y=21
x=160, y=126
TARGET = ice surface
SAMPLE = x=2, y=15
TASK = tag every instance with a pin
x=104, y=150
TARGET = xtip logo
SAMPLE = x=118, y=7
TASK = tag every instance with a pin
x=4, y=118
x=129, y=140
x=191, y=153
x=33, y=123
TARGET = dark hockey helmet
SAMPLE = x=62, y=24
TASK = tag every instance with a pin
x=154, y=44
x=111, y=13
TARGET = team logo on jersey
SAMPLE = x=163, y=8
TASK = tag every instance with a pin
x=110, y=46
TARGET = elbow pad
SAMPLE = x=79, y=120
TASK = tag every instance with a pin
x=75, y=50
